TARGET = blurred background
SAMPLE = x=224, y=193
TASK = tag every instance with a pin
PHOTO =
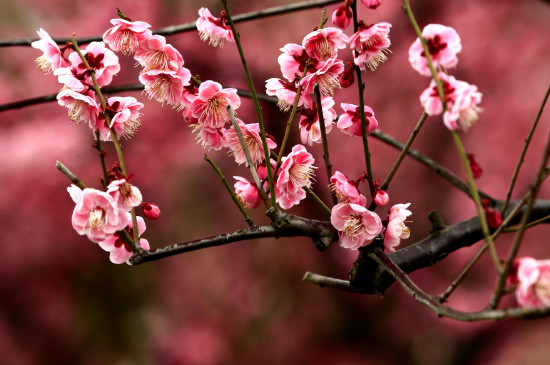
x=63, y=302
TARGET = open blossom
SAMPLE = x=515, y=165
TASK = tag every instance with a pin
x=310, y=126
x=326, y=75
x=166, y=86
x=154, y=54
x=99, y=58
x=323, y=44
x=253, y=141
x=212, y=29
x=125, y=35
x=342, y=15
x=247, y=192
x=124, y=194
x=371, y=42
x=345, y=190
x=52, y=59
x=82, y=108
x=396, y=229
x=464, y=111
x=357, y=226
x=294, y=174
x=293, y=61
x=444, y=45
x=119, y=250
x=350, y=121
x=533, y=277
x=210, y=137
x=123, y=115
x=96, y=214
x=286, y=92
x=209, y=106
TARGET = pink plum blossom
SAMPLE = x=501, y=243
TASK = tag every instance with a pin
x=350, y=121
x=323, y=44
x=346, y=191
x=210, y=137
x=52, y=59
x=102, y=60
x=209, y=106
x=310, y=127
x=356, y=225
x=443, y=43
x=342, y=15
x=247, y=192
x=347, y=77
x=464, y=111
x=294, y=174
x=212, y=29
x=381, y=198
x=286, y=92
x=96, y=214
x=371, y=43
x=371, y=4
x=119, y=250
x=326, y=75
x=396, y=229
x=82, y=108
x=154, y=54
x=166, y=86
x=293, y=61
x=125, y=35
x=253, y=141
x=124, y=116
x=124, y=194
x=69, y=77
x=150, y=211
x=533, y=276
x=430, y=99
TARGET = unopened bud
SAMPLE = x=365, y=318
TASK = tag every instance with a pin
x=150, y=211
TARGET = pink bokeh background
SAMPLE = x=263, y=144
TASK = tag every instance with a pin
x=64, y=303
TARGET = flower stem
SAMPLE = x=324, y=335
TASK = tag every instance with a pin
x=255, y=100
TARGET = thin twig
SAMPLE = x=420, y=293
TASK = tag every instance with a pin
x=72, y=177
x=323, y=281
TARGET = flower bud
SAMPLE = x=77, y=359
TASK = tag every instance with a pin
x=347, y=77
x=381, y=198
x=150, y=210
x=341, y=17
x=474, y=165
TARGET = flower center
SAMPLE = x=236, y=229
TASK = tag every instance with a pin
x=353, y=226
x=97, y=218
x=300, y=175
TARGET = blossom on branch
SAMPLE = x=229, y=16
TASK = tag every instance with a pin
x=310, y=126
x=150, y=211
x=102, y=60
x=124, y=194
x=443, y=43
x=342, y=15
x=119, y=250
x=356, y=225
x=325, y=74
x=371, y=43
x=253, y=141
x=294, y=174
x=154, y=54
x=125, y=35
x=293, y=61
x=209, y=106
x=247, y=192
x=533, y=277
x=212, y=29
x=286, y=92
x=346, y=191
x=350, y=121
x=52, y=59
x=82, y=108
x=166, y=86
x=396, y=229
x=323, y=44
x=210, y=137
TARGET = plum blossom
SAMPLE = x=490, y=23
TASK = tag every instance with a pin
x=443, y=43
x=464, y=111
x=125, y=35
x=124, y=194
x=71, y=80
x=293, y=61
x=533, y=277
x=212, y=29
x=82, y=108
x=357, y=226
x=119, y=250
x=253, y=141
x=166, y=86
x=347, y=77
x=96, y=214
x=286, y=92
x=210, y=137
x=52, y=59
x=345, y=190
x=396, y=230
x=102, y=60
x=326, y=75
x=150, y=211
x=342, y=15
x=209, y=106
x=430, y=99
x=124, y=116
x=350, y=121
x=381, y=198
x=294, y=174
x=310, y=127
x=154, y=54
x=247, y=192
x=323, y=44
x=371, y=43
x=371, y=4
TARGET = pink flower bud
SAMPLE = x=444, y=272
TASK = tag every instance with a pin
x=341, y=17
x=150, y=210
x=347, y=77
x=493, y=216
x=381, y=198
x=474, y=165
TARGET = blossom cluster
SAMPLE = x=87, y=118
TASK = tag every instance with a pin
x=460, y=100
